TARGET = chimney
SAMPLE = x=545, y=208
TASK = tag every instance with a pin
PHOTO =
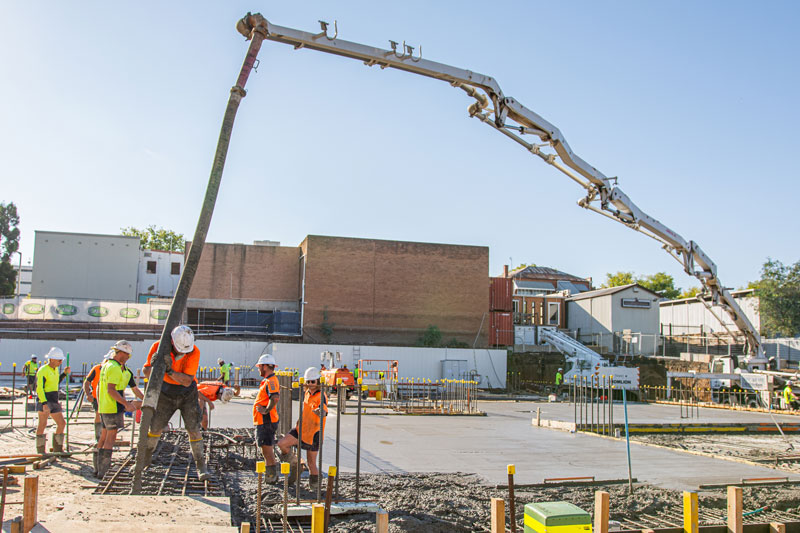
x=505, y=271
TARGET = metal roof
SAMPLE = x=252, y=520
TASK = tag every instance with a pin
x=536, y=285
x=571, y=287
x=610, y=290
x=537, y=272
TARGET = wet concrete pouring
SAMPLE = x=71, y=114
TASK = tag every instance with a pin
x=417, y=502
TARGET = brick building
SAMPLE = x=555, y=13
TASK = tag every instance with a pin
x=344, y=290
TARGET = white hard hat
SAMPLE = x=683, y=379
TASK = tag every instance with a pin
x=123, y=346
x=220, y=360
x=227, y=394
x=266, y=359
x=108, y=355
x=33, y=356
x=183, y=339
x=312, y=373
x=560, y=369
x=55, y=353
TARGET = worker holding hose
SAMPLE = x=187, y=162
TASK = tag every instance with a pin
x=48, y=404
x=315, y=404
x=178, y=392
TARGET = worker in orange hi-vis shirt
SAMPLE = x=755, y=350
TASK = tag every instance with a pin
x=315, y=404
x=208, y=393
x=265, y=413
x=178, y=393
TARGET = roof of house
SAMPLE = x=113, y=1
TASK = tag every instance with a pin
x=537, y=272
x=610, y=290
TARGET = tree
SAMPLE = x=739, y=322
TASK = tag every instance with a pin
x=661, y=283
x=432, y=337
x=618, y=279
x=691, y=292
x=157, y=238
x=778, y=293
x=9, y=236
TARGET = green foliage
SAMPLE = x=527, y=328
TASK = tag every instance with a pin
x=431, y=337
x=618, y=279
x=523, y=265
x=691, y=292
x=660, y=282
x=778, y=293
x=9, y=236
x=455, y=343
x=157, y=238
x=327, y=326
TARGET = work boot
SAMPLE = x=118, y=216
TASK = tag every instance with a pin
x=103, y=462
x=58, y=443
x=271, y=475
x=41, y=444
x=293, y=470
x=313, y=482
x=199, y=459
x=98, y=428
x=95, y=462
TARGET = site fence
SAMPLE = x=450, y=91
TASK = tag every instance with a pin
x=445, y=396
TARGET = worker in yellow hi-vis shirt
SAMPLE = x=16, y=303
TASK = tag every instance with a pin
x=47, y=380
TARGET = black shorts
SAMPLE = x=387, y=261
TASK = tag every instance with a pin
x=55, y=407
x=265, y=433
x=112, y=421
x=31, y=381
x=310, y=447
x=187, y=404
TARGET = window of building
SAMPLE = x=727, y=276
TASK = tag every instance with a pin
x=176, y=269
x=151, y=267
x=552, y=314
x=515, y=303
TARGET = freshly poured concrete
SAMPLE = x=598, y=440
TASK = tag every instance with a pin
x=485, y=445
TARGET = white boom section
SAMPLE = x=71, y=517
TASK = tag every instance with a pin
x=492, y=107
x=586, y=362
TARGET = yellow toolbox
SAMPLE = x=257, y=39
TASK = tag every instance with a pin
x=556, y=517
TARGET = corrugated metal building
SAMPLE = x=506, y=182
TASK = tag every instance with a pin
x=604, y=315
x=690, y=317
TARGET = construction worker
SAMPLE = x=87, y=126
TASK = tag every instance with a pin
x=789, y=398
x=114, y=379
x=29, y=370
x=224, y=371
x=315, y=404
x=47, y=381
x=178, y=392
x=356, y=371
x=265, y=413
x=207, y=393
x=559, y=381
x=90, y=385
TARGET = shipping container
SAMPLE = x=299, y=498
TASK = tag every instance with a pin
x=501, y=329
x=500, y=292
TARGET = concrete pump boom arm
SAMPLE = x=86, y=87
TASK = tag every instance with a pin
x=496, y=110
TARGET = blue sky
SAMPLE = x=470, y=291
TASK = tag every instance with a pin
x=110, y=118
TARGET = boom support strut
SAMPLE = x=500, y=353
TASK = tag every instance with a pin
x=514, y=120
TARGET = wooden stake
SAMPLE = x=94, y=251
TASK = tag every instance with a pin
x=245, y=527
x=16, y=525
x=381, y=522
x=30, y=504
x=601, y=499
x=735, y=510
x=777, y=527
x=498, y=515
x=317, y=518
x=691, y=518
x=329, y=494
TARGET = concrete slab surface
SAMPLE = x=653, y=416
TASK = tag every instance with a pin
x=485, y=445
